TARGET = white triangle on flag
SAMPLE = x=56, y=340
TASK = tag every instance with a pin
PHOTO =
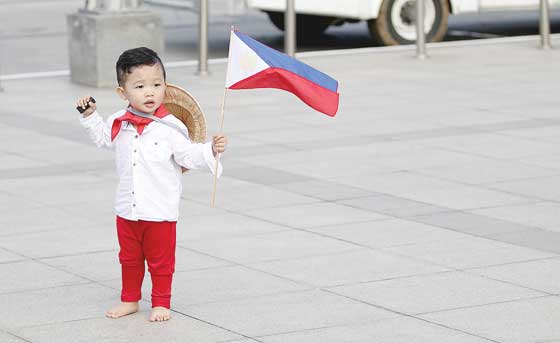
x=243, y=62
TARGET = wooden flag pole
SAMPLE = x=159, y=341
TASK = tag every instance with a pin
x=219, y=154
x=221, y=126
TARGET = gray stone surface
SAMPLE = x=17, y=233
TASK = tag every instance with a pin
x=434, y=293
x=425, y=211
x=528, y=320
x=399, y=330
x=96, y=40
x=288, y=312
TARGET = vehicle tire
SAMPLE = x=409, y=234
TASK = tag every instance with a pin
x=307, y=26
x=396, y=22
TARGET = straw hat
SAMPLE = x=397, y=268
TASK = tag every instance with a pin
x=183, y=106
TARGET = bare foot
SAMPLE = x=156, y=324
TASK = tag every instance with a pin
x=122, y=309
x=160, y=314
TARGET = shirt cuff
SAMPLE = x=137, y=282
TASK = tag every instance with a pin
x=211, y=160
x=90, y=120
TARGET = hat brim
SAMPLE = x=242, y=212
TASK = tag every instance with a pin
x=183, y=106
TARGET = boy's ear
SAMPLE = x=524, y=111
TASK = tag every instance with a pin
x=120, y=92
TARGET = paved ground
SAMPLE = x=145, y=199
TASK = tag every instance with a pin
x=426, y=211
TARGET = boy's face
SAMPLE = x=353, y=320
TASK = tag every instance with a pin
x=144, y=88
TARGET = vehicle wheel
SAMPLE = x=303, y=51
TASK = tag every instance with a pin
x=307, y=26
x=396, y=22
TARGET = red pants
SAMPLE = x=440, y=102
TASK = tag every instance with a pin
x=151, y=241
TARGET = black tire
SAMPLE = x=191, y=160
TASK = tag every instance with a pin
x=384, y=31
x=307, y=26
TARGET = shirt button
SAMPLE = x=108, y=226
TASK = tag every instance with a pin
x=133, y=205
x=132, y=192
x=134, y=164
x=135, y=136
x=134, y=150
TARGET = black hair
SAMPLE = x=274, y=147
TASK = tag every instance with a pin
x=136, y=57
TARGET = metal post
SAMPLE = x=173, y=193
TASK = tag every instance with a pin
x=203, y=39
x=290, y=28
x=420, y=35
x=544, y=25
x=1, y=53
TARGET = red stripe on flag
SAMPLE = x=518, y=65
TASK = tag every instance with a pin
x=322, y=99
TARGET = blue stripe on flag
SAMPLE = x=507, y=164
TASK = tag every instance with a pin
x=279, y=60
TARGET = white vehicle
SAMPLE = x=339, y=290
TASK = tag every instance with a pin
x=390, y=22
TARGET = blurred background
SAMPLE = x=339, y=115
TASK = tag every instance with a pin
x=33, y=33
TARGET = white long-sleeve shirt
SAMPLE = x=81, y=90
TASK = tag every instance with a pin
x=149, y=165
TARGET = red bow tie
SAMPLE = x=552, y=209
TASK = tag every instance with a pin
x=136, y=120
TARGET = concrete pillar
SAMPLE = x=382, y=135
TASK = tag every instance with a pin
x=99, y=33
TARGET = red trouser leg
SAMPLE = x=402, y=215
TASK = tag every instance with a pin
x=131, y=257
x=159, y=249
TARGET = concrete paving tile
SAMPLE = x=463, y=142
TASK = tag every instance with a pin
x=543, y=240
x=399, y=330
x=104, y=266
x=339, y=152
x=264, y=175
x=275, y=314
x=426, y=157
x=259, y=196
x=538, y=187
x=463, y=197
x=547, y=161
x=302, y=134
x=396, y=183
x=534, y=132
x=324, y=190
x=470, y=223
x=468, y=252
x=33, y=184
x=29, y=275
x=324, y=170
x=59, y=304
x=11, y=161
x=269, y=247
x=488, y=171
x=390, y=233
x=188, y=208
x=74, y=153
x=9, y=257
x=227, y=284
x=10, y=201
x=97, y=266
x=347, y=268
x=314, y=215
x=187, y=260
x=393, y=206
x=44, y=218
x=540, y=214
x=436, y=292
x=542, y=275
x=8, y=337
x=492, y=145
x=62, y=242
x=526, y=320
x=134, y=328
x=222, y=225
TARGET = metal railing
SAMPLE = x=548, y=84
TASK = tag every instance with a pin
x=203, y=39
x=420, y=35
x=290, y=28
x=544, y=25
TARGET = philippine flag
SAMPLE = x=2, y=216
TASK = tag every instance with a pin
x=252, y=64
